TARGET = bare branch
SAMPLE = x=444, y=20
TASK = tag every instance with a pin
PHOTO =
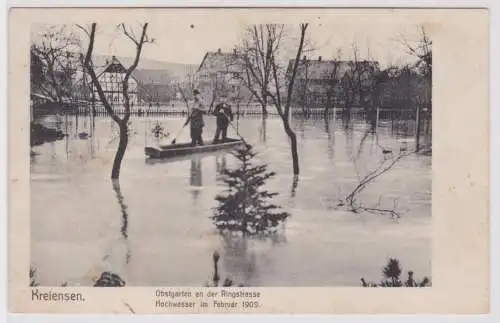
x=125, y=83
x=88, y=65
x=303, y=28
x=130, y=36
x=85, y=30
x=58, y=64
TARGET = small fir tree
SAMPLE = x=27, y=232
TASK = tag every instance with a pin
x=392, y=273
x=244, y=206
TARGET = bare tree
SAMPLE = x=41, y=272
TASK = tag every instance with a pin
x=218, y=87
x=363, y=84
x=54, y=53
x=333, y=77
x=265, y=77
x=89, y=66
x=422, y=50
x=186, y=87
x=303, y=88
x=277, y=100
x=147, y=92
x=259, y=49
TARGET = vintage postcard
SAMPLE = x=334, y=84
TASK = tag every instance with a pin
x=225, y=160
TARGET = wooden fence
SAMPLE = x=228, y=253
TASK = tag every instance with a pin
x=255, y=110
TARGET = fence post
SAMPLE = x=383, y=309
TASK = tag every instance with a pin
x=417, y=130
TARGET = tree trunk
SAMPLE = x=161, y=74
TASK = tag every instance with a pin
x=330, y=105
x=264, y=105
x=346, y=117
x=373, y=119
x=120, y=152
x=293, y=146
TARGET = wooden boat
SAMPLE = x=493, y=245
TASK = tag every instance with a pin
x=183, y=149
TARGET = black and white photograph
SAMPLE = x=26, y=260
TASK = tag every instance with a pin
x=203, y=153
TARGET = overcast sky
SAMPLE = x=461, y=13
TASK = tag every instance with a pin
x=185, y=39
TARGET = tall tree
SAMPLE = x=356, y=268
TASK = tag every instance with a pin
x=55, y=63
x=265, y=77
x=303, y=88
x=89, y=67
x=363, y=83
x=421, y=49
x=333, y=77
x=260, y=46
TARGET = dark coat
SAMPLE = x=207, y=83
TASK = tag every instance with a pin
x=223, y=111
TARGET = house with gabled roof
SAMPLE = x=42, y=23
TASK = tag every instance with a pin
x=220, y=73
x=320, y=82
x=111, y=76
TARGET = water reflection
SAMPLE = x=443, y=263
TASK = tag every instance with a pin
x=295, y=184
x=362, y=142
x=124, y=227
x=349, y=142
x=196, y=176
x=239, y=260
x=220, y=165
x=300, y=128
x=327, y=174
x=263, y=130
x=346, y=119
x=279, y=238
x=331, y=138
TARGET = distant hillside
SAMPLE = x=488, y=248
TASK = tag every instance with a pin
x=151, y=70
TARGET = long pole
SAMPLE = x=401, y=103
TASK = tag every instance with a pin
x=238, y=116
x=146, y=123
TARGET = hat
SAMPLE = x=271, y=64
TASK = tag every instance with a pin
x=196, y=92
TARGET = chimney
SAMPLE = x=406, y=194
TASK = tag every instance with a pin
x=319, y=59
x=219, y=51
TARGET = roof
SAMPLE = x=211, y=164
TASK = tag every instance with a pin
x=153, y=76
x=230, y=61
x=323, y=69
x=147, y=71
x=110, y=66
x=159, y=75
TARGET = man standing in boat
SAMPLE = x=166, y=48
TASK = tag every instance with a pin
x=196, y=120
x=224, y=115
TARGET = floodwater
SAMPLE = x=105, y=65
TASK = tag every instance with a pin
x=154, y=227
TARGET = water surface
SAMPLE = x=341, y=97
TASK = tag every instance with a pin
x=154, y=228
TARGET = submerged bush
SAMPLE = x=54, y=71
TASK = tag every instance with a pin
x=33, y=277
